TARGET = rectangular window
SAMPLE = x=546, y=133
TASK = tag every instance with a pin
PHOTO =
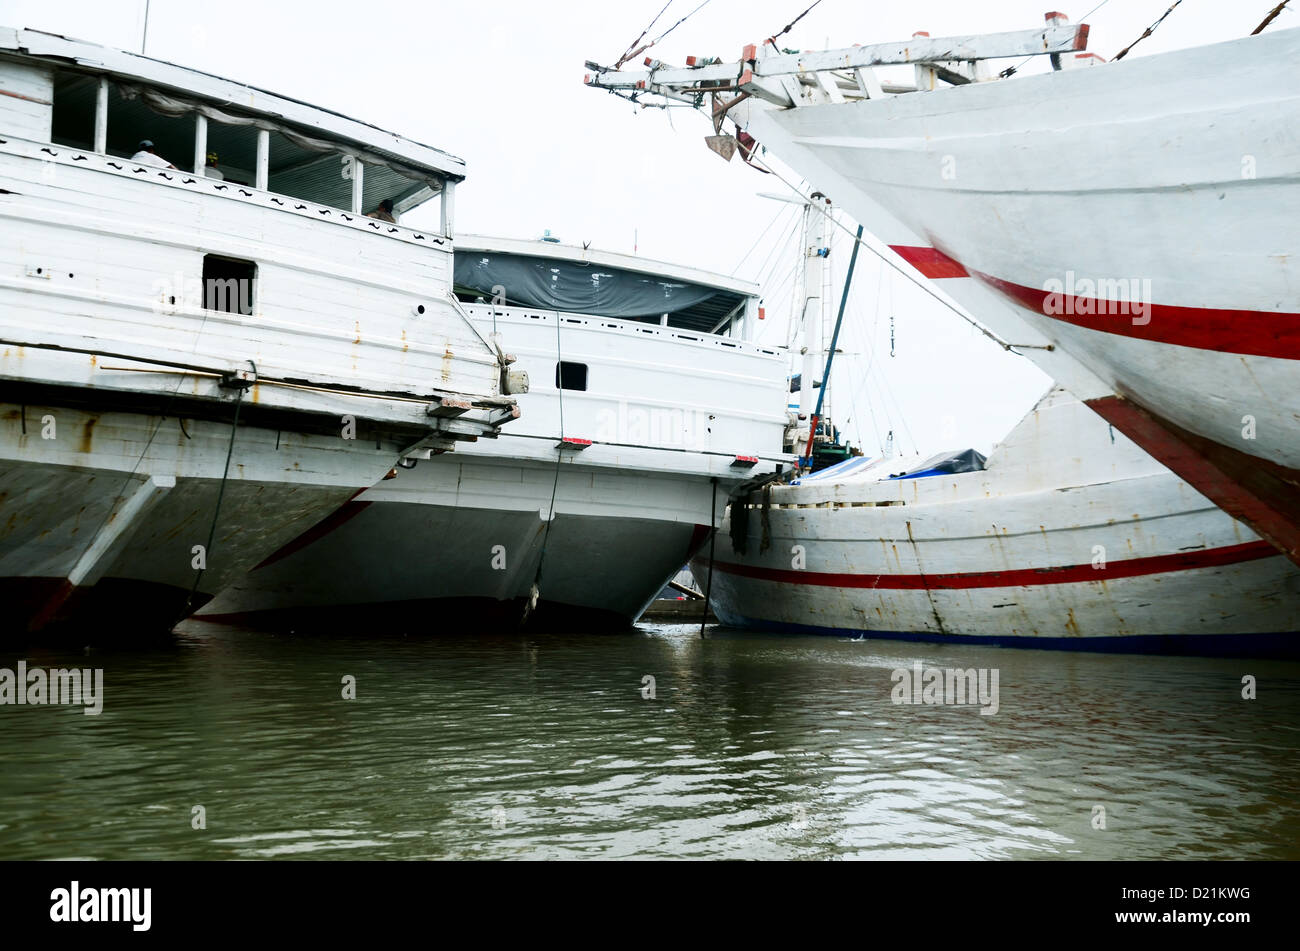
x=228, y=284
x=570, y=376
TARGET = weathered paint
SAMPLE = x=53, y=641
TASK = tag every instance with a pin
x=73, y=512
x=1067, y=534
x=627, y=516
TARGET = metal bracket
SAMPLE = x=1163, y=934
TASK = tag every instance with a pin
x=238, y=379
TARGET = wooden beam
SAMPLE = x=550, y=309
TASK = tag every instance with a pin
x=868, y=82
x=1064, y=38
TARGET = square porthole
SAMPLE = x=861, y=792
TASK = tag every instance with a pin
x=228, y=284
x=570, y=376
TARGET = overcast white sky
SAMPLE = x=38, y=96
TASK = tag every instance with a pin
x=499, y=83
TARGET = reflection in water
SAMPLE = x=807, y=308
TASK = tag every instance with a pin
x=538, y=746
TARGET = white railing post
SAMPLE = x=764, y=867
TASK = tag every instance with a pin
x=263, y=159
x=200, y=143
x=448, y=209
x=101, y=117
x=358, y=184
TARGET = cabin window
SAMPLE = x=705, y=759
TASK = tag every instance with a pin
x=230, y=154
x=328, y=178
x=130, y=122
x=300, y=164
x=228, y=284
x=74, y=110
x=570, y=376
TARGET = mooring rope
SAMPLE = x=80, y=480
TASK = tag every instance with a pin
x=534, y=592
x=221, y=494
x=713, y=547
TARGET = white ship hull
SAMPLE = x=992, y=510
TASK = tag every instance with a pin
x=597, y=528
x=147, y=311
x=1067, y=540
x=107, y=518
x=1049, y=205
x=1171, y=181
x=469, y=538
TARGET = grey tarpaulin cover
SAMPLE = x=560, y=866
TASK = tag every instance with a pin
x=945, y=463
x=573, y=286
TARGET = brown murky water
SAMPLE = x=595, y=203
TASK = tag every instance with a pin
x=486, y=745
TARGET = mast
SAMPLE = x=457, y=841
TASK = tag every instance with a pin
x=815, y=254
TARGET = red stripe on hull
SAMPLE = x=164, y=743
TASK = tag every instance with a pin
x=1250, y=332
x=1015, y=578
x=1254, y=333
x=931, y=262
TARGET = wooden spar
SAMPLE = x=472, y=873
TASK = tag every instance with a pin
x=750, y=73
x=689, y=592
x=830, y=356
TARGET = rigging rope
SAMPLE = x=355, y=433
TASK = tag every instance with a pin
x=753, y=247
x=641, y=49
x=704, y=4
x=221, y=494
x=631, y=49
x=534, y=593
x=918, y=281
x=1147, y=32
x=789, y=25
x=1273, y=15
x=713, y=539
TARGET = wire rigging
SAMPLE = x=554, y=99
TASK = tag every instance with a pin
x=918, y=281
x=1273, y=15
x=789, y=26
x=704, y=4
x=632, y=49
x=1145, y=33
x=757, y=241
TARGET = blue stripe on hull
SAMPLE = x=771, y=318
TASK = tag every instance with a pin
x=1204, y=645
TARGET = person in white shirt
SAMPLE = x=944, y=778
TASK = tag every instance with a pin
x=145, y=155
